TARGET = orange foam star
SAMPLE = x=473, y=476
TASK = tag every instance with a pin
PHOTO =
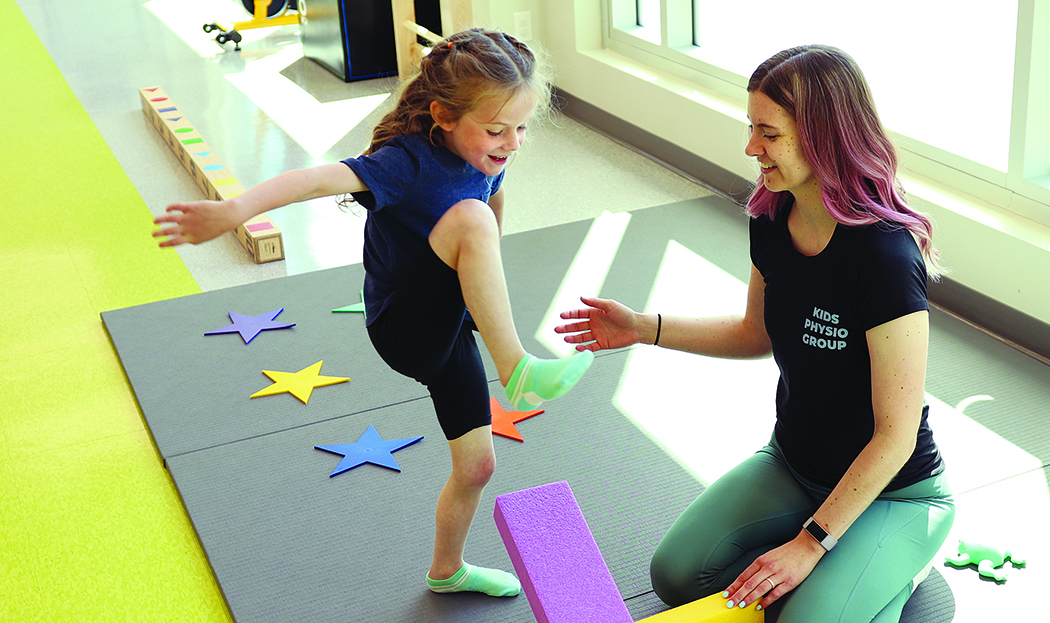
x=503, y=421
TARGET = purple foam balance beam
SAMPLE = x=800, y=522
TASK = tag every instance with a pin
x=556, y=558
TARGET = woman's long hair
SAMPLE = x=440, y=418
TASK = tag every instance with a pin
x=850, y=152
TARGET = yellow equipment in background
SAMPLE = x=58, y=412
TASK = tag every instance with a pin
x=265, y=14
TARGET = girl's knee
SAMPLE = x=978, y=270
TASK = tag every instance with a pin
x=469, y=224
x=475, y=473
x=469, y=215
x=473, y=459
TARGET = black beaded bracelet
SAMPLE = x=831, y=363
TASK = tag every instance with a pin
x=659, y=325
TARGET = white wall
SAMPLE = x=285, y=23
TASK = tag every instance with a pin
x=500, y=14
x=989, y=249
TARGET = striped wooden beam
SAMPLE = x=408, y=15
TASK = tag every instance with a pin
x=259, y=235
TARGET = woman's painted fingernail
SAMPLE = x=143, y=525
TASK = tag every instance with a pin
x=758, y=607
x=730, y=604
x=725, y=594
x=743, y=604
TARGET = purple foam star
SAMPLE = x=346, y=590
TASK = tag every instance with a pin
x=369, y=448
x=250, y=326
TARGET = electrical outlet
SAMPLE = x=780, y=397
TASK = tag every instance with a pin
x=523, y=25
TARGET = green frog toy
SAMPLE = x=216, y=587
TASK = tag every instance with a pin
x=989, y=560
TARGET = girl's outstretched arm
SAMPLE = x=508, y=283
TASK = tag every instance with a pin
x=200, y=221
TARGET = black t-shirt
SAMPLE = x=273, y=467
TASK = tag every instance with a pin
x=817, y=310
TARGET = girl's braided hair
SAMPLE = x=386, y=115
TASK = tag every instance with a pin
x=459, y=72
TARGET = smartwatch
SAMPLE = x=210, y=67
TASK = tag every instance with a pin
x=826, y=540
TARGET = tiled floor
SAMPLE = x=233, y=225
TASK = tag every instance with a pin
x=240, y=103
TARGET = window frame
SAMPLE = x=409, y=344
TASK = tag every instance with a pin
x=1023, y=188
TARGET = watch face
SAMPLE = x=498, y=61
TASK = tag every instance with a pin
x=826, y=540
x=815, y=529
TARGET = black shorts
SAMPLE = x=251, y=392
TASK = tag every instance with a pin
x=425, y=334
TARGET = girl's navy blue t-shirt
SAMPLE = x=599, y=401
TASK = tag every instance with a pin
x=412, y=184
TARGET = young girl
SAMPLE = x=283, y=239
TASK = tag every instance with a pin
x=432, y=184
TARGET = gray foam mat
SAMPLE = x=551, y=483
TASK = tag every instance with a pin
x=932, y=601
x=965, y=362
x=711, y=226
x=288, y=543
x=194, y=390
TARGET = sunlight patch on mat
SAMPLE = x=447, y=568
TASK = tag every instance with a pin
x=976, y=456
x=709, y=414
x=585, y=276
x=1010, y=515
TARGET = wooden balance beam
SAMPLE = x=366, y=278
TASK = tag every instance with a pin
x=259, y=235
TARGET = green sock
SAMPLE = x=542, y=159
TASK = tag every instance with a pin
x=479, y=580
x=535, y=380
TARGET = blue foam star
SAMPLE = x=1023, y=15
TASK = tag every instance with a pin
x=369, y=448
x=250, y=326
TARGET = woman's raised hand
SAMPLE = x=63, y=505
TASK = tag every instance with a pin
x=602, y=325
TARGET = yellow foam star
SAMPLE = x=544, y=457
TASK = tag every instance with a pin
x=299, y=384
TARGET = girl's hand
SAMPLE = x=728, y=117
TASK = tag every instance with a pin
x=603, y=324
x=775, y=573
x=195, y=222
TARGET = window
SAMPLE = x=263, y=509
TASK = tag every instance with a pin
x=639, y=18
x=961, y=90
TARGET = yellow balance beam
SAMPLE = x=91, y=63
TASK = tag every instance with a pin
x=708, y=610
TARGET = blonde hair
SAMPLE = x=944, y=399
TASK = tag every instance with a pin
x=460, y=72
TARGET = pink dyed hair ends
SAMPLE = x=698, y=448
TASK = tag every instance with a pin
x=842, y=137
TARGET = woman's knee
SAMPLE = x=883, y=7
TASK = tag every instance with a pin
x=677, y=579
x=670, y=584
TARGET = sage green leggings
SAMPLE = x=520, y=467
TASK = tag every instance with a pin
x=760, y=505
